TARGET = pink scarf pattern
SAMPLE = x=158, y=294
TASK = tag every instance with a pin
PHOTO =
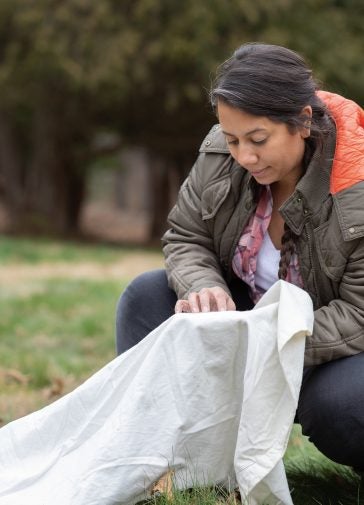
x=245, y=257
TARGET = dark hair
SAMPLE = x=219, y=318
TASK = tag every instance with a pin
x=275, y=82
x=271, y=81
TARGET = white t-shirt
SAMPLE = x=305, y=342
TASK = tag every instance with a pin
x=267, y=264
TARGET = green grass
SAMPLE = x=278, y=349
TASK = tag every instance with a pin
x=39, y=250
x=66, y=324
x=196, y=496
x=312, y=481
x=55, y=332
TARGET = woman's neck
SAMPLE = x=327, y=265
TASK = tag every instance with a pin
x=281, y=191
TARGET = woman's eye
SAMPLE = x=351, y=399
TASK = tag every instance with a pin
x=232, y=142
x=259, y=142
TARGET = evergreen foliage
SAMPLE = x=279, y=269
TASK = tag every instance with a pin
x=139, y=67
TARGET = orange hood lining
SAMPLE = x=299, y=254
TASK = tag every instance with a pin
x=348, y=163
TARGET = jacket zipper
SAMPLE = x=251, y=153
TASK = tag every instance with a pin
x=309, y=239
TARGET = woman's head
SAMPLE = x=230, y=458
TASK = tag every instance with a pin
x=272, y=81
x=269, y=150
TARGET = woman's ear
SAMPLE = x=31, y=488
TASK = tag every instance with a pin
x=306, y=113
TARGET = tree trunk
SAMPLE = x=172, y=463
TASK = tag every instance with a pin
x=54, y=182
x=166, y=178
x=159, y=198
x=43, y=189
x=11, y=168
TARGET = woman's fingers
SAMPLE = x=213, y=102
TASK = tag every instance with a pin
x=182, y=306
x=194, y=301
x=206, y=300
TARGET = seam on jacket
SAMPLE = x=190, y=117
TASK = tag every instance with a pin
x=337, y=343
x=177, y=276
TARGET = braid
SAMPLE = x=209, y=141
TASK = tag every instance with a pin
x=289, y=238
x=287, y=249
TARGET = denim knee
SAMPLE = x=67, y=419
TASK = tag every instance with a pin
x=145, y=303
x=331, y=409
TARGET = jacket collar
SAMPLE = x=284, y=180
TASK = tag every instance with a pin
x=313, y=188
x=315, y=184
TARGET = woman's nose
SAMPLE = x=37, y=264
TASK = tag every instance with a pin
x=246, y=157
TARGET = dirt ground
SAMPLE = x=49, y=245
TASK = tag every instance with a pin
x=128, y=267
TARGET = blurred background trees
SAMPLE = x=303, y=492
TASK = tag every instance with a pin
x=137, y=72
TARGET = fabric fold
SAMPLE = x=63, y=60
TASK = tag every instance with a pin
x=211, y=396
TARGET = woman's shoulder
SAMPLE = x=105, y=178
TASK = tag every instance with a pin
x=214, y=162
x=214, y=142
x=215, y=166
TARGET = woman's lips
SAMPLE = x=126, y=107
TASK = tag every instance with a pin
x=256, y=173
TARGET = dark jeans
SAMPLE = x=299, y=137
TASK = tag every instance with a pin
x=331, y=404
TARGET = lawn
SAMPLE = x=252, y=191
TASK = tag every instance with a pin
x=57, y=316
x=57, y=328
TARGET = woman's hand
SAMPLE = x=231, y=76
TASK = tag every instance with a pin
x=206, y=300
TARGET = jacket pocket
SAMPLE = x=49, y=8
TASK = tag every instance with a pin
x=214, y=196
x=330, y=251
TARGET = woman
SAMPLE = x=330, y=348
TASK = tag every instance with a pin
x=276, y=192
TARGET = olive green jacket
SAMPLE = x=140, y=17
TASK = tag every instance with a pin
x=213, y=207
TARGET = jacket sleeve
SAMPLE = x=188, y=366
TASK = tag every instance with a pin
x=339, y=326
x=188, y=245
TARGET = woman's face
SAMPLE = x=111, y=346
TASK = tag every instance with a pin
x=268, y=150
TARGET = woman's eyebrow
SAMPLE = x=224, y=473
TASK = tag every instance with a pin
x=250, y=132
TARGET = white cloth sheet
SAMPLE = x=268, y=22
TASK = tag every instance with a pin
x=211, y=396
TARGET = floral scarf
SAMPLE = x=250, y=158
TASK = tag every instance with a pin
x=245, y=256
